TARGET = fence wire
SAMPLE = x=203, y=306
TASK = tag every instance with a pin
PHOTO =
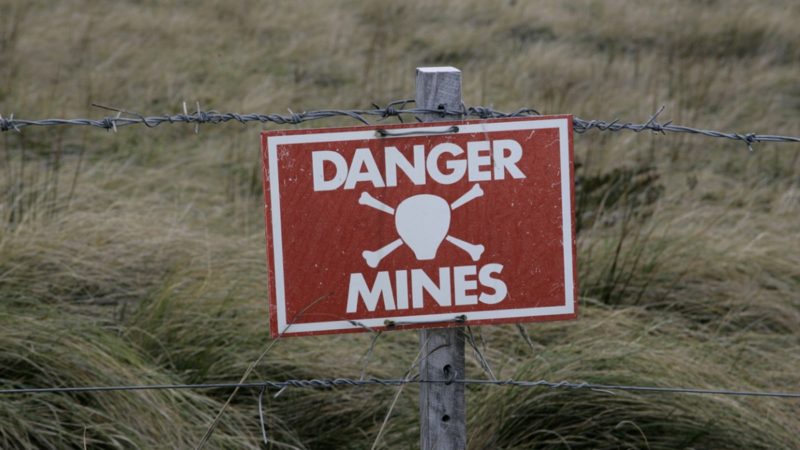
x=328, y=383
x=401, y=112
x=397, y=109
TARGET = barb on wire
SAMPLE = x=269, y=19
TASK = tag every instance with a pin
x=582, y=126
x=396, y=109
x=391, y=111
x=329, y=383
x=111, y=122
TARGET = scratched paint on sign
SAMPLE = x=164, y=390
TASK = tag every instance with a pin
x=419, y=225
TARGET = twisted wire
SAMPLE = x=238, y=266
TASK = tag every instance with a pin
x=396, y=109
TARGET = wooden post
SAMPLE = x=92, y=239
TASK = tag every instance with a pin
x=442, y=407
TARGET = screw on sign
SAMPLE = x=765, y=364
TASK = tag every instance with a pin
x=407, y=226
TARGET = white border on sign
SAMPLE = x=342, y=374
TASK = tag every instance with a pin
x=562, y=124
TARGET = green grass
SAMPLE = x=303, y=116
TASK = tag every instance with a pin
x=138, y=256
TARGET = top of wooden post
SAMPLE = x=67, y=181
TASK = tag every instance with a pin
x=438, y=69
x=438, y=86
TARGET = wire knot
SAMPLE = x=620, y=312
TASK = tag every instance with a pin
x=651, y=124
x=201, y=117
x=749, y=139
x=482, y=112
x=582, y=126
x=393, y=109
x=390, y=111
x=8, y=124
x=107, y=123
x=295, y=118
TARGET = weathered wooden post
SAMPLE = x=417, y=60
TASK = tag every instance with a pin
x=442, y=407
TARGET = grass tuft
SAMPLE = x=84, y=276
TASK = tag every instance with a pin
x=138, y=256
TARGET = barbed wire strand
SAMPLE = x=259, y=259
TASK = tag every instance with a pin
x=326, y=383
x=112, y=123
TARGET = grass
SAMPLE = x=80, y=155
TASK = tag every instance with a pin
x=138, y=256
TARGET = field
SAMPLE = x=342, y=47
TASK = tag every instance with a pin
x=138, y=256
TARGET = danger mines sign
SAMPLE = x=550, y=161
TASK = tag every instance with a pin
x=420, y=225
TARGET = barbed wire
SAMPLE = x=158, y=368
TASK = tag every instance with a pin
x=349, y=382
x=397, y=109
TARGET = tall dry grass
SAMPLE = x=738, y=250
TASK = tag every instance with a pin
x=138, y=257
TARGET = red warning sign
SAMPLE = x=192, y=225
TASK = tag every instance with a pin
x=420, y=225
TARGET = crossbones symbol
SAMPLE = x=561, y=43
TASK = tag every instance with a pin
x=422, y=222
